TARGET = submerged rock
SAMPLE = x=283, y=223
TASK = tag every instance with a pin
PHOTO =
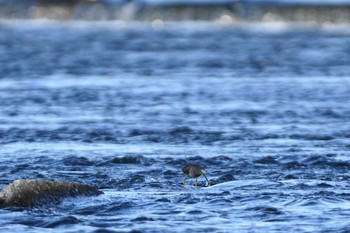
x=29, y=193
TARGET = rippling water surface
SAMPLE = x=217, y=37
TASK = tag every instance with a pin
x=264, y=109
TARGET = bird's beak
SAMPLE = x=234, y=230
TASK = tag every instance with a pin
x=207, y=183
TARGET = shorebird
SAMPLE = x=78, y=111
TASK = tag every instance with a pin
x=194, y=171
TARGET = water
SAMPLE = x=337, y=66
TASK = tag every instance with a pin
x=264, y=108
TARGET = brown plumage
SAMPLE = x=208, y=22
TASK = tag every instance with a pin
x=194, y=171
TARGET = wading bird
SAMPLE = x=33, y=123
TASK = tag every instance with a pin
x=194, y=171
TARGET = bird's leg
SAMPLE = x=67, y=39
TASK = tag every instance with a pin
x=196, y=183
x=185, y=182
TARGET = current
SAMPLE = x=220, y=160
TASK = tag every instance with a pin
x=264, y=108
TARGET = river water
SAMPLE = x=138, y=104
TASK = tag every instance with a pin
x=264, y=108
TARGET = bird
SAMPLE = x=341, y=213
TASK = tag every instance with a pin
x=194, y=171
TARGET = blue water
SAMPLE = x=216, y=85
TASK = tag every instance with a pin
x=264, y=108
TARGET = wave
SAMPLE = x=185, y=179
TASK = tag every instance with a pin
x=176, y=135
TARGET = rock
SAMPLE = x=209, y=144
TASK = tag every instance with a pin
x=30, y=193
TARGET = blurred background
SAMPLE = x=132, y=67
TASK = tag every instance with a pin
x=226, y=11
